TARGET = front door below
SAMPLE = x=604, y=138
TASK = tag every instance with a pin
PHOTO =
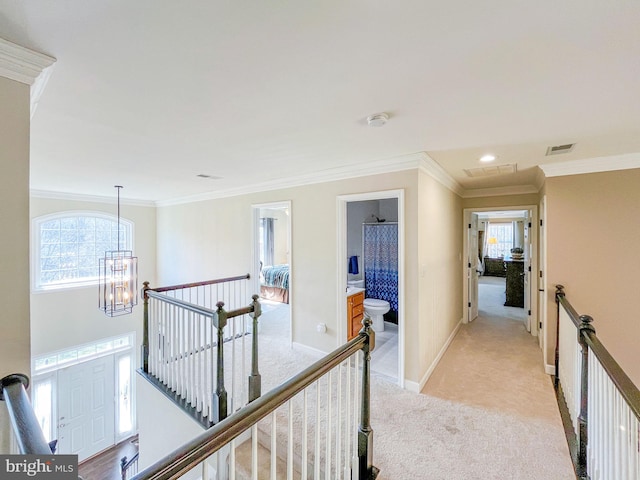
x=86, y=407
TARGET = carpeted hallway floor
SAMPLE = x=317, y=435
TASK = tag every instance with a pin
x=493, y=372
x=488, y=411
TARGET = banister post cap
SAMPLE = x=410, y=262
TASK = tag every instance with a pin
x=586, y=323
x=11, y=379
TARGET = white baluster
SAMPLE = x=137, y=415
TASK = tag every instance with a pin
x=305, y=430
x=290, y=442
x=254, y=452
x=274, y=456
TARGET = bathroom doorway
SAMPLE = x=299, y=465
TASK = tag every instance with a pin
x=370, y=270
x=272, y=269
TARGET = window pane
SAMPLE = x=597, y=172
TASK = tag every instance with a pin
x=499, y=239
x=125, y=417
x=70, y=247
x=42, y=399
x=69, y=223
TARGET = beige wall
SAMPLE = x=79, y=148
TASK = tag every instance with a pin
x=440, y=266
x=14, y=214
x=593, y=237
x=67, y=317
x=502, y=201
x=212, y=239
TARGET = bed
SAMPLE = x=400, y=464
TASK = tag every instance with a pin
x=274, y=283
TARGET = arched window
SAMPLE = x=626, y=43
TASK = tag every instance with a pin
x=67, y=246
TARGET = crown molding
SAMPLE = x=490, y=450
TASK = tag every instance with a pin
x=500, y=191
x=26, y=66
x=429, y=166
x=592, y=165
x=390, y=165
x=77, y=197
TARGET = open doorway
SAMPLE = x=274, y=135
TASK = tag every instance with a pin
x=501, y=246
x=370, y=273
x=272, y=267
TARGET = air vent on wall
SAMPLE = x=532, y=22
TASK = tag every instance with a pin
x=558, y=149
x=492, y=170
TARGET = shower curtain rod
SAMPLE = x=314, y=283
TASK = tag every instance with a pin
x=380, y=223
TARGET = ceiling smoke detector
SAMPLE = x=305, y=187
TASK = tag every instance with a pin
x=558, y=149
x=377, y=120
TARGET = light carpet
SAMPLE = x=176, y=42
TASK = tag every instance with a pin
x=488, y=412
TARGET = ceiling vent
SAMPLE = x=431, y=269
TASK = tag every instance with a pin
x=491, y=170
x=558, y=149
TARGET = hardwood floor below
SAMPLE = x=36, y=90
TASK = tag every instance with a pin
x=106, y=465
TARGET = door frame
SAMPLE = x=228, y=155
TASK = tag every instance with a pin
x=533, y=233
x=255, y=251
x=341, y=267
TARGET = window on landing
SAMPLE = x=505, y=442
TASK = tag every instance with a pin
x=67, y=246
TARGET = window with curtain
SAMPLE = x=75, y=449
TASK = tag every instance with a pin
x=499, y=239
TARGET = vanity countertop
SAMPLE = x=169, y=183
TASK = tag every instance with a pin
x=354, y=290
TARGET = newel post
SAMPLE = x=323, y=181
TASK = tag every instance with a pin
x=220, y=395
x=559, y=294
x=583, y=418
x=255, y=381
x=365, y=432
x=145, y=329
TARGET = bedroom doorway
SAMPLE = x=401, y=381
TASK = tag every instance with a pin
x=501, y=253
x=272, y=269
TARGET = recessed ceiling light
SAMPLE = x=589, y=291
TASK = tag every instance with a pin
x=488, y=158
x=377, y=120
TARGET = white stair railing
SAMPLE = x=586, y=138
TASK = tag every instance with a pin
x=314, y=425
x=602, y=401
x=206, y=358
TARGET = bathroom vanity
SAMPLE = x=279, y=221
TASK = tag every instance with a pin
x=355, y=311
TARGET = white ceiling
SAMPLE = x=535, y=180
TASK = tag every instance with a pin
x=149, y=94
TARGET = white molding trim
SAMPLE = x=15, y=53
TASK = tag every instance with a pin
x=26, y=66
x=550, y=369
x=78, y=197
x=417, y=387
x=592, y=165
x=500, y=191
x=390, y=165
x=429, y=166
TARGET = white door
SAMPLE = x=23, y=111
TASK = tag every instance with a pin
x=86, y=407
x=472, y=273
x=542, y=296
x=526, y=272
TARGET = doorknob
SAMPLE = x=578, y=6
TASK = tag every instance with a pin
x=62, y=425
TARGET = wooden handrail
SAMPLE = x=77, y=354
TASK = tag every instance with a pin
x=26, y=428
x=180, y=461
x=201, y=284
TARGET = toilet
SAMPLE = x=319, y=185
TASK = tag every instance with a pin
x=373, y=307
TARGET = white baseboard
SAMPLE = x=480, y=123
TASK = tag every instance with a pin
x=316, y=352
x=417, y=387
x=550, y=369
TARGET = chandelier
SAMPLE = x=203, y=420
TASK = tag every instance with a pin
x=118, y=283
